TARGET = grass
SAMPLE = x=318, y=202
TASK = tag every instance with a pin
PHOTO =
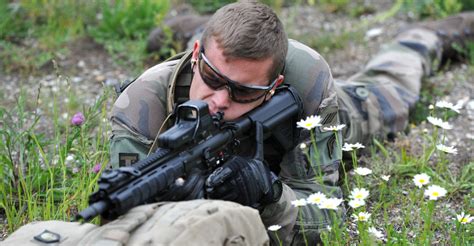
x=399, y=210
x=32, y=32
x=50, y=166
x=48, y=163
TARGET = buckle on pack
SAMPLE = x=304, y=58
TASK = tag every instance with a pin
x=48, y=237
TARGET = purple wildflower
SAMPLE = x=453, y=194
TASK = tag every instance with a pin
x=96, y=168
x=75, y=170
x=78, y=119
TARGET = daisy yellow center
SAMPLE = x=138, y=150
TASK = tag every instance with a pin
x=361, y=217
x=422, y=181
x=464, y=220
x=435, y=193
x=358, y=196
x=309, y=124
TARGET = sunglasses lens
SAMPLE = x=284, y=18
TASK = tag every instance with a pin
x=210, y=77
x=238, y=93
x=244, y=94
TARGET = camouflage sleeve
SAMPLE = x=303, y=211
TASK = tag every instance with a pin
x=138, y=114
x=310, y=74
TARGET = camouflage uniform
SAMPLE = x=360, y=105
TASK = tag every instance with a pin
x=376, y=101
x=372, y=103
x=136, y=123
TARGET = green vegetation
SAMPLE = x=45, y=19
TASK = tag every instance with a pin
x=124, y=26
x=326, y=43
x=49, y=166
x=398, y=198
x=467, y=52
x=432, y=8
x=208, y=6
x=48, y=174
x=333, y=5
x=32, y=32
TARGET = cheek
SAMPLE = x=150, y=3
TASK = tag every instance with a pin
x=198, y=90
x=236, y=110
x=192, y=91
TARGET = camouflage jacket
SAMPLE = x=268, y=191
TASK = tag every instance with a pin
x=141, y=109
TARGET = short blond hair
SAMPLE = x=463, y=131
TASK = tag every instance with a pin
x=249, y=30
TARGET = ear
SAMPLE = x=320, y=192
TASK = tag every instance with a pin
x=280, y=80
x=196, y=48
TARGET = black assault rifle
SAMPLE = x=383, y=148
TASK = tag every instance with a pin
x=197, y=140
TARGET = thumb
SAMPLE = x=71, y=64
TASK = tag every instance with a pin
x=218, y=177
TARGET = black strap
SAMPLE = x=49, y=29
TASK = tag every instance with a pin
x=119, y=88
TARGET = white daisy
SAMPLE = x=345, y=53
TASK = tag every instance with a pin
x=434, y=192
x=439, y=123
x=299, y=203
x=310, y=122
x=274, y=227
x=330, y=203
x=385, y=177
x=358, y=145
x=350, y=147
x=334, y=128
x=362, y=216
x=421, y=179
x=360, y=194
x=362, y=171
x=355, y=203
x=376, y=233
x=448, y=105
x=464, y=218
x=316, y=198
x=447, y=149
x=346, y=147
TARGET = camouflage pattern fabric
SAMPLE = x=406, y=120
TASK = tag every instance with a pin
x=184, y=223
x=372, y=103
x=140, y=111
x=376, y=101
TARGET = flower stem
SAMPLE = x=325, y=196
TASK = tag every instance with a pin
x=278, y=238
x=302, y=226
x=426, y=236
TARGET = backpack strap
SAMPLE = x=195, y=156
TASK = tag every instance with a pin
x=117, y=232
x=183, y=63
x=183, y=56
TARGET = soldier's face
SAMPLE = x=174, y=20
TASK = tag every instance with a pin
x=246, y=72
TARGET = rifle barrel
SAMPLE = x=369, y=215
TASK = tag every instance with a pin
x=92, y=211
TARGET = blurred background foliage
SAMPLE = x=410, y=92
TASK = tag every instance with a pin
x=32, y=32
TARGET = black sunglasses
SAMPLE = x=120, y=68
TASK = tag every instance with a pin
x=238, y=92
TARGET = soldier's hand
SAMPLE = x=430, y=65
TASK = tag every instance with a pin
x=245, y=181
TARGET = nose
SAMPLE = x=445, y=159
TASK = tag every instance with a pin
x=221, y=99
